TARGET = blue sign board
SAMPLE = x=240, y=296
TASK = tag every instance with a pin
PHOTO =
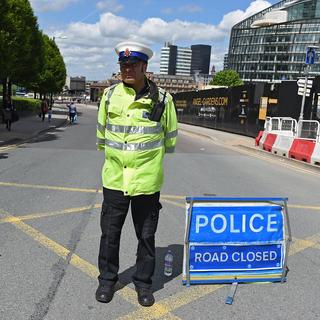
x=310, y=55
x=230, y=257
x=236, y=224
x=235, y=239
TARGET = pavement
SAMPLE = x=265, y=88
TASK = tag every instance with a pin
x=220, y=137
x=32, y=126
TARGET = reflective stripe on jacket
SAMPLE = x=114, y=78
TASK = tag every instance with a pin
x=134, y=145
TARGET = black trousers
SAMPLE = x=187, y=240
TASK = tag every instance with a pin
x=145, y=214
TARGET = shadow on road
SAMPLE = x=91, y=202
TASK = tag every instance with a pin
x=159, y=279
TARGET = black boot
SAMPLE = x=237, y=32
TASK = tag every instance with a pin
x=105, y=293
x=145, y=297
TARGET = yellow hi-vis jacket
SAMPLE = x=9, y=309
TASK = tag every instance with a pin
x=134, y=145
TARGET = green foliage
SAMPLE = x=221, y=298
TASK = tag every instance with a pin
x=229, y=78
x=52, y=77
x=25, y=105
x=27, y=57
x=20, y=42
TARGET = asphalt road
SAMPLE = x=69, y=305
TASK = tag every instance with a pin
x=49, y=230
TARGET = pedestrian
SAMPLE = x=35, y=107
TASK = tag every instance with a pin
x=8, y=112
x=72, y=112
x=43, y=108
x=137, y=124
x=49, y=114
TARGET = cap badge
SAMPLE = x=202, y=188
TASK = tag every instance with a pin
x=127, y=53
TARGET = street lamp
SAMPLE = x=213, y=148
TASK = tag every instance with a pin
x=59, y=37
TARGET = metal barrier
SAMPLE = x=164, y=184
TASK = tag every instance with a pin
x=275, y=124
x=308, y=129
x=267, y=124
x=288, y=124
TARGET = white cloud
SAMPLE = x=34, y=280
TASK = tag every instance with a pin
x=89, y=48
x=112, y=26
x=109, y=5
x=156, y=29
x=49, y=5
x=233, y=17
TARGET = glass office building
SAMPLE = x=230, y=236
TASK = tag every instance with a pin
x=271, y=45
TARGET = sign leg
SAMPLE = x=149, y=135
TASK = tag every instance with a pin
x=232, y=292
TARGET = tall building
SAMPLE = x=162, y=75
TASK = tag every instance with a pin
x=175, y=60
x=200, y=59
x=271, y=45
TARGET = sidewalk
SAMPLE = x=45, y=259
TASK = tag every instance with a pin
x=31, y=126
x=221, y=137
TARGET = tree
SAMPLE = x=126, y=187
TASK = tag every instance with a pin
x=52, y=77
x=229, y=78
x=20, y=43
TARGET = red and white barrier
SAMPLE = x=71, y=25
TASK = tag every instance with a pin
x=282, y=145
x=269, y=141
x=315, y=158
x=302, y=150
x=286, y=137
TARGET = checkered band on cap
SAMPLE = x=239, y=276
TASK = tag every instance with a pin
x=133, y=49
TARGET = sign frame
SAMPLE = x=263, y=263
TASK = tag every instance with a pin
x=269, y=277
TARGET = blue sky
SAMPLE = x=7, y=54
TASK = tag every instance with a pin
x=86, y=31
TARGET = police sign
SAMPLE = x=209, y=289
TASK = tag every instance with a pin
x=235, y=239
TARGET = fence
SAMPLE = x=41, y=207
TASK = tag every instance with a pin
x=308, y=129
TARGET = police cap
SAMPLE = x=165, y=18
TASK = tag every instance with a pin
x=131, y=52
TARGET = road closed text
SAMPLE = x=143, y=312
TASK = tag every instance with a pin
x=239, y=257
x=236, y=256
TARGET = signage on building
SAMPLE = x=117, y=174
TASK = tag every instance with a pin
x=263, y=108
x=304, y=86
x=235, y=240
x=210, y=101
x=310, y=55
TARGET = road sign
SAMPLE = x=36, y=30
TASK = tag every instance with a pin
x=301, y=83
x=235, y=240
x=301, y=92
x=310, y=55
x=240, y=258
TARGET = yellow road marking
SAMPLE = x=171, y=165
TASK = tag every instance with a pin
x=59, y=188
x=174, y=203
x=303, y=207
x=299, y=245
x=49, y=214
x=34, y=186
x=125, y=292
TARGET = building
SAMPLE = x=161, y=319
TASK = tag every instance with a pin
x=174, y=83
x=200, y=58
x=175, y=60
x=75, y=85
x=271, y=45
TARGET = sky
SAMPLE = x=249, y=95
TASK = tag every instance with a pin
x=86, y=31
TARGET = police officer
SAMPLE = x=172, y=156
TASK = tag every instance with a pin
x=137, y=125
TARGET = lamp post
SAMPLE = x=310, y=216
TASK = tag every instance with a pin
x=59, y=37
